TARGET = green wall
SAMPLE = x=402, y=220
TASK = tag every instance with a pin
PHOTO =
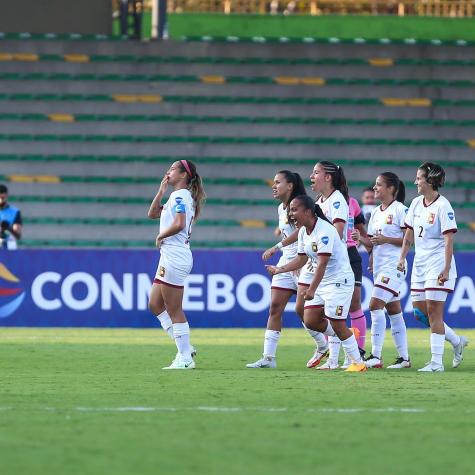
x=344, y=27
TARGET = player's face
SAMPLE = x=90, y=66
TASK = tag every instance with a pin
x=381, y=190
x=368, y=197
x=298, y=213
x=175, y=174
x=3, y=199
x=318, y=179
x=281, y=189
x=421, y=183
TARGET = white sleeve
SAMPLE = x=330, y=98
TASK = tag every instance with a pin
x=325, y=244
x=401, y=214
x=339, y=211
x=301, y=245
x=447, y=218
x=409, y=219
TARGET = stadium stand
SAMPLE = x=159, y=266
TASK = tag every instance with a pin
x=88, y=127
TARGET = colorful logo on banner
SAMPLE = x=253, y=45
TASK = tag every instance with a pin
x=11, y=293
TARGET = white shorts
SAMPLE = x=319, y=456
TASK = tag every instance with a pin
x=387, y=285
x=334, y=298
x=285, y=281
x=431, y=290
x=306, y=274
x=174, y=266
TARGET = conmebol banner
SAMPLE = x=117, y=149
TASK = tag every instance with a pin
x=110, y=288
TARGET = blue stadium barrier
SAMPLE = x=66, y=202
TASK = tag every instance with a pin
x=109, y=288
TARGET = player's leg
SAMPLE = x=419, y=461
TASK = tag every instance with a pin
x=399, y=334
x=378, y=327
x=157, y=306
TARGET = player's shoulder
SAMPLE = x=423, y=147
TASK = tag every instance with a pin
x=337, y=200
x=443, y=202
x=416, y=201
x=400, y=206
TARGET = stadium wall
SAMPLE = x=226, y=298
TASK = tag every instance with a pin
x=300, y=26
x=110, y=288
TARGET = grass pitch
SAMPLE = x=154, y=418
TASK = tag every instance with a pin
x=97, y=402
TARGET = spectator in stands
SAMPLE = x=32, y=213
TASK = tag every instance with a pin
x=133, y=9
x=10, y=221
x=368, y=203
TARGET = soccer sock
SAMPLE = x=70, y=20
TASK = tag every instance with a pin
x=350, y=346
x=334, y=345
x=181, y=333
x=437, y=347
x=399, y=333
x=358, y=321
x=378, y=327
x=329, y=331
x=271, y=339
x=451, y=336
x=166, y=323
x=319, y=338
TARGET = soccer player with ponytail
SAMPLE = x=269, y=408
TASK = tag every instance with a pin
x=176, y=220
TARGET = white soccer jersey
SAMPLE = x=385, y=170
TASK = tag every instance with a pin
x=180, y=201
x=390, y=223
x=286, y=229
x=325, y=240
x=430, y=223
x=336, y=209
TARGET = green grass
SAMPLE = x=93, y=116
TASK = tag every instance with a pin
x=64, y=395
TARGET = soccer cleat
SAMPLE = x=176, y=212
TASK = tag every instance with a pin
x=458, y=352
x=400, y=363
x=264, y=362
x=356, y=368
x=317, y=357
x=194, y=352
x=180, y=363
x=346, y=363
x=373, y=362
x=432, y=367
x=328, y=366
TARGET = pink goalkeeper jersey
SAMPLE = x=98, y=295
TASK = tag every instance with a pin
x=355, y=210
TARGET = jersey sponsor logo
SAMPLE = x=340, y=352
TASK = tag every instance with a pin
x=180, y=206
x=431, y=218
x=406, y=210
x=339, y=311
x=385, y=280
x=389, y=219
x=336, y=204
x=161, y=271
x=325, y=240
x=314, y=247
x=451, y=215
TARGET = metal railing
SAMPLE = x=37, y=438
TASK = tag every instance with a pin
x=438, y=8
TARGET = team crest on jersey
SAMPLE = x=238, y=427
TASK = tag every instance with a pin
x=161, y=271
x=314, y=247
x=336, y=204
x=431, y=218
x=385, y=280
x=339, y=311
x=180, y=206
x=451, y=215
x=389, y=219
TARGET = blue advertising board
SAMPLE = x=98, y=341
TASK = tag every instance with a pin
x=110, y=288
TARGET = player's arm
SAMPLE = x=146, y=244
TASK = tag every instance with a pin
x=285, y=242
x=407, y=243
x=381, y=239
x=156, y=207
x=340, y=227
x=449, y=252
x=297, y=263
x=318, y=276
x=177, y=226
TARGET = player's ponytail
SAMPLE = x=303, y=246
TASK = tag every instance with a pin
x=392, y=180
x=195, y=185
x=298, y=187
x=338, y=178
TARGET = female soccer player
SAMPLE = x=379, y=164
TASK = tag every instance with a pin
x=328, y=296
x=431, y=227
x=286, y=187
x=176, y=220
x=385, y=235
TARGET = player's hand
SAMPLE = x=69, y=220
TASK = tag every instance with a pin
x=443, y=277
x=309, y=294
x=401, y=266
x=269, y=253
x=356, y=235
x=163, y=185
x=273, y=270
x=158, y=242
x=377, y=239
